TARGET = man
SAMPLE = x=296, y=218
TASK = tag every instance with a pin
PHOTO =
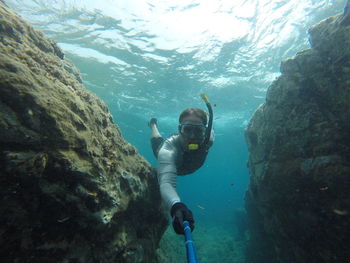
x=181, y=154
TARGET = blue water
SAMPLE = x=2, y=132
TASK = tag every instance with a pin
x=150, y=58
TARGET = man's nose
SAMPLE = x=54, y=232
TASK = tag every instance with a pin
x=192, y=135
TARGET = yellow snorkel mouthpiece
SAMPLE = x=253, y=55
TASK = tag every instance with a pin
x=193, y=146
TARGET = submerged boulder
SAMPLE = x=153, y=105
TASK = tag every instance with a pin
x=72, y=189
x=298, y=199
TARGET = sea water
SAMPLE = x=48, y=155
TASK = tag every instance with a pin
x=148, y=58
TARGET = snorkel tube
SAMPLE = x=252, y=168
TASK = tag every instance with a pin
x=210, y=123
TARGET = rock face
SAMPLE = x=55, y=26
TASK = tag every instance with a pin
x=299, y=142
x=72, y=190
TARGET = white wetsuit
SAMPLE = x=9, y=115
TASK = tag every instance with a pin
x=173, y=160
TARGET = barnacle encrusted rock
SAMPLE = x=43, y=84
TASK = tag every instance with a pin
x=72, y=189
x=299, y=199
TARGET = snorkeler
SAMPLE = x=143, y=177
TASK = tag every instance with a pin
x=180, y=154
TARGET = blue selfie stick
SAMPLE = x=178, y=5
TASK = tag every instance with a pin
x=190, y=250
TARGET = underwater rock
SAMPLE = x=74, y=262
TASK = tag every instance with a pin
x=298, y=199
x=72, y=189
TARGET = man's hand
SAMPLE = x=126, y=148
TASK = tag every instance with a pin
x=180, y=213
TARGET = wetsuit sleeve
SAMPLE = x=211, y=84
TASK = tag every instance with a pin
x=167, y=173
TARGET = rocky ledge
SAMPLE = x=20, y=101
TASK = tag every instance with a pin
x=299, y=142
x=72, y=189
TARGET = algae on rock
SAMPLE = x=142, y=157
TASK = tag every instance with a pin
x=72, y=189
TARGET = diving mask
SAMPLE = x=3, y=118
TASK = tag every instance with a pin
x=191, y=130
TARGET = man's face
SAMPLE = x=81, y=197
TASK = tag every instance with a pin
x=192, y=130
